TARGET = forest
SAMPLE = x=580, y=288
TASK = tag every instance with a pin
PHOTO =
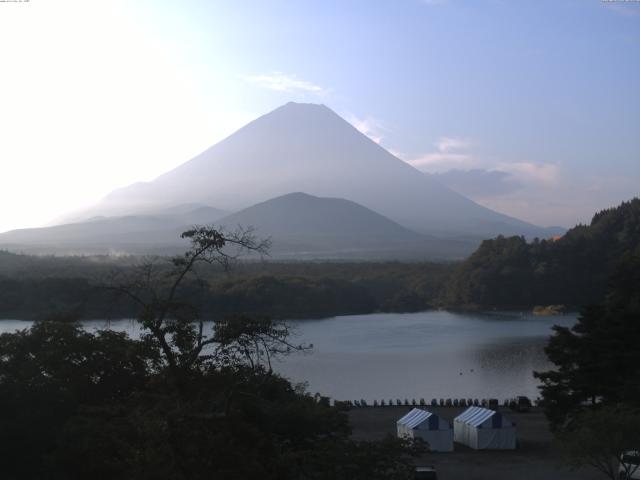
x=503, y=273
x=573, y=270
x=34, y=287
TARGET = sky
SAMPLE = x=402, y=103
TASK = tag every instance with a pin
x=528, y=107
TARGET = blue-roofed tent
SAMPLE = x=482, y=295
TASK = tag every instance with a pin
x=429, y=427
x=481, y=428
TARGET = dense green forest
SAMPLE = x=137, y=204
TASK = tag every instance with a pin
x=502, y=273
x=34, y=287
x=571, y=270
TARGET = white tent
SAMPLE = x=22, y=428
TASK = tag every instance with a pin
x=481, y=428
x=427, y=426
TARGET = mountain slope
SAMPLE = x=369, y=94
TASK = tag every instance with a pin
x=304, y=226
x=307, y=147
x=300, y=225
x=303, y=215
x=132, y=233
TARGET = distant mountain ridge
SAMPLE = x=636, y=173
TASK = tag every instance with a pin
x=304, y=215
x=309, y=148
x=303, y=225
x=129, y=233
x=300, y=225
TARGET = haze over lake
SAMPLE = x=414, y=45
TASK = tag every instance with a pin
x=427, y=355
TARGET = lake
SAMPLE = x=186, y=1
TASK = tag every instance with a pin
x=433, y=354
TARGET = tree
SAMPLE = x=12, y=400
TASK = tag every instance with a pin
x=48, y=374
x=601, y=438
x=572, y=270
x=242, y=340
x=180, y=404
x=171, y=324
x=388, y=459
x=598, y=359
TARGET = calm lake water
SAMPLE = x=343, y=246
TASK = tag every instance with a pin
x=427, y=355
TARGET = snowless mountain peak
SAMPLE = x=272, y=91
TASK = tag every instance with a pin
x=305, y=147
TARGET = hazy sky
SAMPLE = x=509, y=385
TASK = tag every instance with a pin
x=535, y=103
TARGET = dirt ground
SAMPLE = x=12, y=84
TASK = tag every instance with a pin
x=534, y=459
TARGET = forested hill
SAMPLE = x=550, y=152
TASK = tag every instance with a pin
x=572, y=270
x=33, y=287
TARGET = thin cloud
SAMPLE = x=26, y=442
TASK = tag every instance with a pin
x=455, y=153
x=452, y=144
x=396, y=153
x=282, y=82
x=536, y=192
x=440, y=161
x=451, y=152
x=368, y=126
x=567, y=202
x=543, y=173
x=627, y=9
x=478, y=183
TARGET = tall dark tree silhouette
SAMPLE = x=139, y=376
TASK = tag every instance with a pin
x=170, y=323
x=598, y=359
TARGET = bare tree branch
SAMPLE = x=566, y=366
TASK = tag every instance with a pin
x=177, y=328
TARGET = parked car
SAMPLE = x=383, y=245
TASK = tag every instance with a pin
x=630, y=466
x=426, y=472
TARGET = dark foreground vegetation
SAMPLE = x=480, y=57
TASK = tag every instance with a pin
x=181, y=403
x=592, y=396
x=78, y=405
